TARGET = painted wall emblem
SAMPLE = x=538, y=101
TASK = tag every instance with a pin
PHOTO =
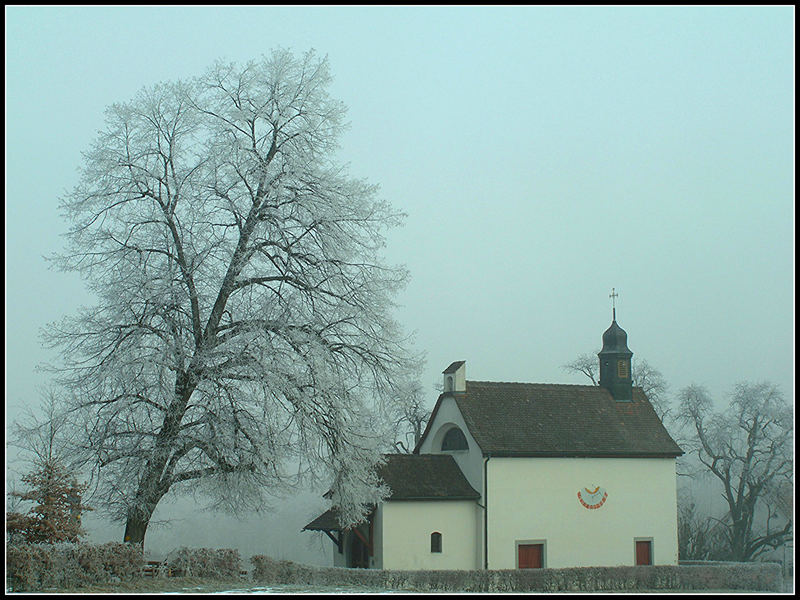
x=592, y=498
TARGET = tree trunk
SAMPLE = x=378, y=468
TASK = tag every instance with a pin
x=151, y=489
x=137, y=522
x=135, y=529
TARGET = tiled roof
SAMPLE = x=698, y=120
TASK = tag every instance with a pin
x=425, y=477
x=532, y=419
x=327, y=521
x=413, y=477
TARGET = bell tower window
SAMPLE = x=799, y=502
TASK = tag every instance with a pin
x=622, y=369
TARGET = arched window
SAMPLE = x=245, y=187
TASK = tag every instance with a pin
x=449, y=383
x=436, y=542
x=454, y=440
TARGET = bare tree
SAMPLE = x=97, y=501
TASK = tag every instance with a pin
x=653, y=385
x=643, y=375
x=585, y=364
x=748, y=448
x=242, y=336
x=411, y=416
x=699, y=537
x=46, y=436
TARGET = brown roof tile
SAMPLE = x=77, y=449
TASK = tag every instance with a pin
x=532, y=419
x=413, y=477
x=425, y=477
x=327, y=521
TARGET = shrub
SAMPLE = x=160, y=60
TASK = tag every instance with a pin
x=217, y=563
x=38, y=566
x=269, y=570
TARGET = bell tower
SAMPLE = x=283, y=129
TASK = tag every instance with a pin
x=615, y=359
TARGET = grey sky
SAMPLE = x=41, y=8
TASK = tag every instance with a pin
x=543, y=156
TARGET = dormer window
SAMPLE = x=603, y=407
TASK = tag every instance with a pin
x=449, y=384
x=454, y=440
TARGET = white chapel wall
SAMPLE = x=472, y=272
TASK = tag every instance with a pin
x=471, y=461
x=533, y=499
x=406, y=530
x=339, y=558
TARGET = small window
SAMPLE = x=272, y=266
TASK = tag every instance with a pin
x=454, y=440
x=449, y=383
x=436, y=542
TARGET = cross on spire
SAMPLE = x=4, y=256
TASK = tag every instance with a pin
x=613, y=295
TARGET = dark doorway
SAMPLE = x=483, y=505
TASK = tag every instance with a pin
x=531, y=556
x=359, y=553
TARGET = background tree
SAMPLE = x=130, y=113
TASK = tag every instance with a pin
x=585, y=364
x=748, y=448
x=45, y=446
x=242, y=336
x=45, y=435
x=699, y=537
x=643, y=375
x=411, y=416
x=56, y=512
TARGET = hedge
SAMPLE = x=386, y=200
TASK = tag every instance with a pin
x=67, y=565
x=744, y=576
x=39, y=567
x=222, y=563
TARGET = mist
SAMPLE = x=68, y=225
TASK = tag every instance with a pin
x=542, y=156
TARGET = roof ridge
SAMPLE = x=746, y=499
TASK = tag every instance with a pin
x=571, y=385
x=405, y=454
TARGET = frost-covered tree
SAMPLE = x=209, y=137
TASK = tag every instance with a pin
x=243, y=334
x=748, y=448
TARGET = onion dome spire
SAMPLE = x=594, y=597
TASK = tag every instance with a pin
x=615, y=359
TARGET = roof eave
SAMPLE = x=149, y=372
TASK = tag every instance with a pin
x=437, y=498
x=578, y=454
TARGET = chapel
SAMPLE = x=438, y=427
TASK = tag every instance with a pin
x=526, y=475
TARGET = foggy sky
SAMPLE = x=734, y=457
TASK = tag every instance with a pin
x=542, y=155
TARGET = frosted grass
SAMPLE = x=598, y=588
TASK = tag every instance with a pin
x=294, y=589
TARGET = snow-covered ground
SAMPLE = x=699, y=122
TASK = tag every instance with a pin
x=310, y=589
x=293, y=589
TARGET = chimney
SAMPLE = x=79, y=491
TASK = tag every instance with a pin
x=455, y=377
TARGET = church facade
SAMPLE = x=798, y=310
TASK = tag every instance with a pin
x=526, y=475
